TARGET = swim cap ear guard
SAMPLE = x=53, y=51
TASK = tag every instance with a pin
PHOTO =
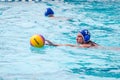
x=85, y=34
x=49, y=11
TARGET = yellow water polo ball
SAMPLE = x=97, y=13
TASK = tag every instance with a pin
x=37, y=41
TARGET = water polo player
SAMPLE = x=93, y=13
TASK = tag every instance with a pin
x=82, y=39
x=49, y=12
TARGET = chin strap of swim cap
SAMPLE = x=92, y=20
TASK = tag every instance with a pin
x=49, y=11
x=86, y=35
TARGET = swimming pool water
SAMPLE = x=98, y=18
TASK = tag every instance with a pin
x=20, y=20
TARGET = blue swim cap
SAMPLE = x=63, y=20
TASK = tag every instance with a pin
x=86, y=35
x=49, y=11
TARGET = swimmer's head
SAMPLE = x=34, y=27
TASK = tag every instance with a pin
x=85, y=35
x=49, y=12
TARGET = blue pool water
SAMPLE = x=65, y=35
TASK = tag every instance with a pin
x=20, y=20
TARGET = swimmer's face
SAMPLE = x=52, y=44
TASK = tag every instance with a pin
x=50, y=15
x=79, y=39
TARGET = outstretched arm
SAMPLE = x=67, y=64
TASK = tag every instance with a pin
x=53, y=44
